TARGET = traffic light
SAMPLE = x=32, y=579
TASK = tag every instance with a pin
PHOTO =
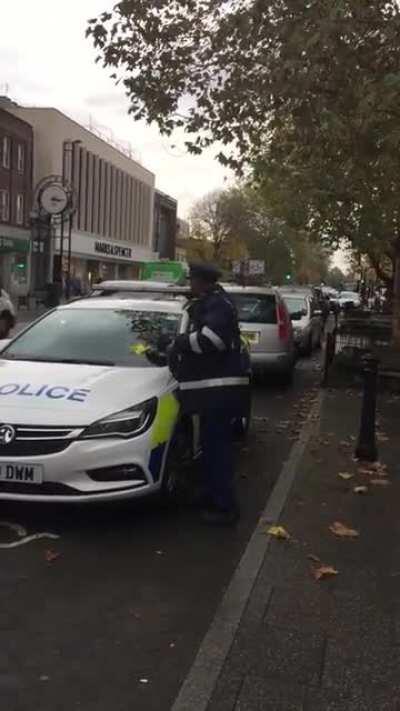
x=288, y=277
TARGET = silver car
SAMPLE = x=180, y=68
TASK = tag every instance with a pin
x=265, y=323
x=307, y=321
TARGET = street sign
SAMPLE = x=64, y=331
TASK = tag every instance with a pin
x=256, y=267
x=249, y=267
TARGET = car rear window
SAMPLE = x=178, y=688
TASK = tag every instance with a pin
x=255, y=308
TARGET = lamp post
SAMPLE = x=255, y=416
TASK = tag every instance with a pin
x=68, y=165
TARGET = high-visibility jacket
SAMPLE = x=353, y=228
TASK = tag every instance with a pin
x=211, y=364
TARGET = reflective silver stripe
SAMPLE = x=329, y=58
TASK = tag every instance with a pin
x=214, y=338
x=213, y=383
x=194, y=343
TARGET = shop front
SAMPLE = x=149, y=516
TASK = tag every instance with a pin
x=15, y=261
x=94, y=260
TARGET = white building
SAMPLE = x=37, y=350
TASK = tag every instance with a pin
x=112, y=229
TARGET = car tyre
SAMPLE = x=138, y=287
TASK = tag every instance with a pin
x=177, y=481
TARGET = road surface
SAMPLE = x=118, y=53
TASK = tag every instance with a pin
x=111, y=614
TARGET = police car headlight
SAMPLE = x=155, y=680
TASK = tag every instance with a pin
x=128, y=423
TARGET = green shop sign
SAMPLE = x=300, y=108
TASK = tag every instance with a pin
x=171, y=272
x=11, y=244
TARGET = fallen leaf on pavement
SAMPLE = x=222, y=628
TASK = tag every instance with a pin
x=324, y=571
x=378, y=466
x=278, y=532
x=360, y=489
x=340, y=529
x=51, y=555
x=369, y=471
x=345, y=475
x=380, y=482
x=314, y=558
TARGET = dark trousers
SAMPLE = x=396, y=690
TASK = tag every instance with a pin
x=218, y=458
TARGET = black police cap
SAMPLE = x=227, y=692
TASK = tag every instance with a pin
x=208, y=272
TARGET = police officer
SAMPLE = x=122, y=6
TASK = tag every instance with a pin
x=214, y=376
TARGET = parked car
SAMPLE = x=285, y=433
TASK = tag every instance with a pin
x=348, y=299
x=307, y=321
x=7, y=314
x=265, y=323
x=88, y=404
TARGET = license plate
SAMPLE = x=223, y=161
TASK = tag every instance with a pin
x=21, y=473
x=252, y=337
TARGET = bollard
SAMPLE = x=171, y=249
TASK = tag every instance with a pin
x=366, y=446
x=328, y=356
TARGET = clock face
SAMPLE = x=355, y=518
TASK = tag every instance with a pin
x=54, y=199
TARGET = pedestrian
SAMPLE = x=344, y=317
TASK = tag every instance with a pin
x=213, y=372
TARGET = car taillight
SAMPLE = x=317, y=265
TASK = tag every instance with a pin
x=283, y=321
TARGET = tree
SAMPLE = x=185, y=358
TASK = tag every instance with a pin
x=313, y=87
x=218, y=226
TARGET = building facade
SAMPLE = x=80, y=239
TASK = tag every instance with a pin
x=182, y=241
x=165, y=225
x=112, y=229
x=16, y=145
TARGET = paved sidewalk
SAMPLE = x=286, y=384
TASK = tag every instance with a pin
x=332, y=645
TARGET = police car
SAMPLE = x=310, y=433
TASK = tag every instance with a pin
x=88, y=406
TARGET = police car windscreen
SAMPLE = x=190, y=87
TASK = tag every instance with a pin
x=255, y=308
x=99, y=337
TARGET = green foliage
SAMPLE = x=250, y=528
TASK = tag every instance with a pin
x=237, y=223
x=307, y=92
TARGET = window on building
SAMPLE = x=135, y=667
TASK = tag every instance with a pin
x=4, y=206
x=20, y=209
x=6, y=152
x=21, y=158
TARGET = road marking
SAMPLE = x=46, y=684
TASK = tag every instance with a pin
x=198, y=687
x=15, y=527
x=23, y=538
x=28, y=539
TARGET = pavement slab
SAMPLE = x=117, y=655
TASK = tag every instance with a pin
x=331, y=645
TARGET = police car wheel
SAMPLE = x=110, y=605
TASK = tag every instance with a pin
x=176, y=482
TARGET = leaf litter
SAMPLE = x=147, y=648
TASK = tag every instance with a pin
x=360, y=489
x=278, y=532
x=324, y=571
x=343, y=531
x=345, y=475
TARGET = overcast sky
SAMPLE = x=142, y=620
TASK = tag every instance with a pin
x=45, y=60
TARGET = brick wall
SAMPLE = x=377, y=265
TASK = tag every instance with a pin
x=17, y=180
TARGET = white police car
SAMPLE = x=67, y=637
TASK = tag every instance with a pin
x=88, y=410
